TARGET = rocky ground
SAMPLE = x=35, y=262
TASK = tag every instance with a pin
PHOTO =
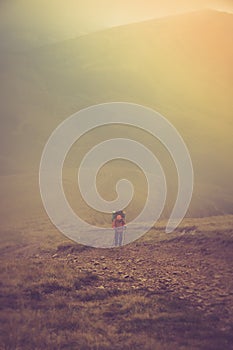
x=173, y=293
x=195, y=269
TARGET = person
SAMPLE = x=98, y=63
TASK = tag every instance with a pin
x=119, y=225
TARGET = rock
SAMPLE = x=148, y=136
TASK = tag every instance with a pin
x=143, y=279
x=223, y=295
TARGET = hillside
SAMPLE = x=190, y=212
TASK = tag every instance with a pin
x=162, y=292
x=180, y=66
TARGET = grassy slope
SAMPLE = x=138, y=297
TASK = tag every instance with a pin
x=179, y=66
x=163, y=292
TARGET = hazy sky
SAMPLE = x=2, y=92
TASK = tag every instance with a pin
x=36, y=22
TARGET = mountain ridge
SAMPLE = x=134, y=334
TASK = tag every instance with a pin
x=203, y=12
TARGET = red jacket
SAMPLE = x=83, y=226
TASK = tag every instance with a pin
x=118, y=223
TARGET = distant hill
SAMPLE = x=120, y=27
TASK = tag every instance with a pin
x=180, y=66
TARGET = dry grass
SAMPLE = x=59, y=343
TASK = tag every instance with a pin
x=51, y=299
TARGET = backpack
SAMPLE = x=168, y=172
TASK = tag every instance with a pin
x=119, y=212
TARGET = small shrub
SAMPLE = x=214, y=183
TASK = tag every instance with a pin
x=51, y=287
x=72, y=248
x=85, y=279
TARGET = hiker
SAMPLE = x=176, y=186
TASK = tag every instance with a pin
x=118, y=223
